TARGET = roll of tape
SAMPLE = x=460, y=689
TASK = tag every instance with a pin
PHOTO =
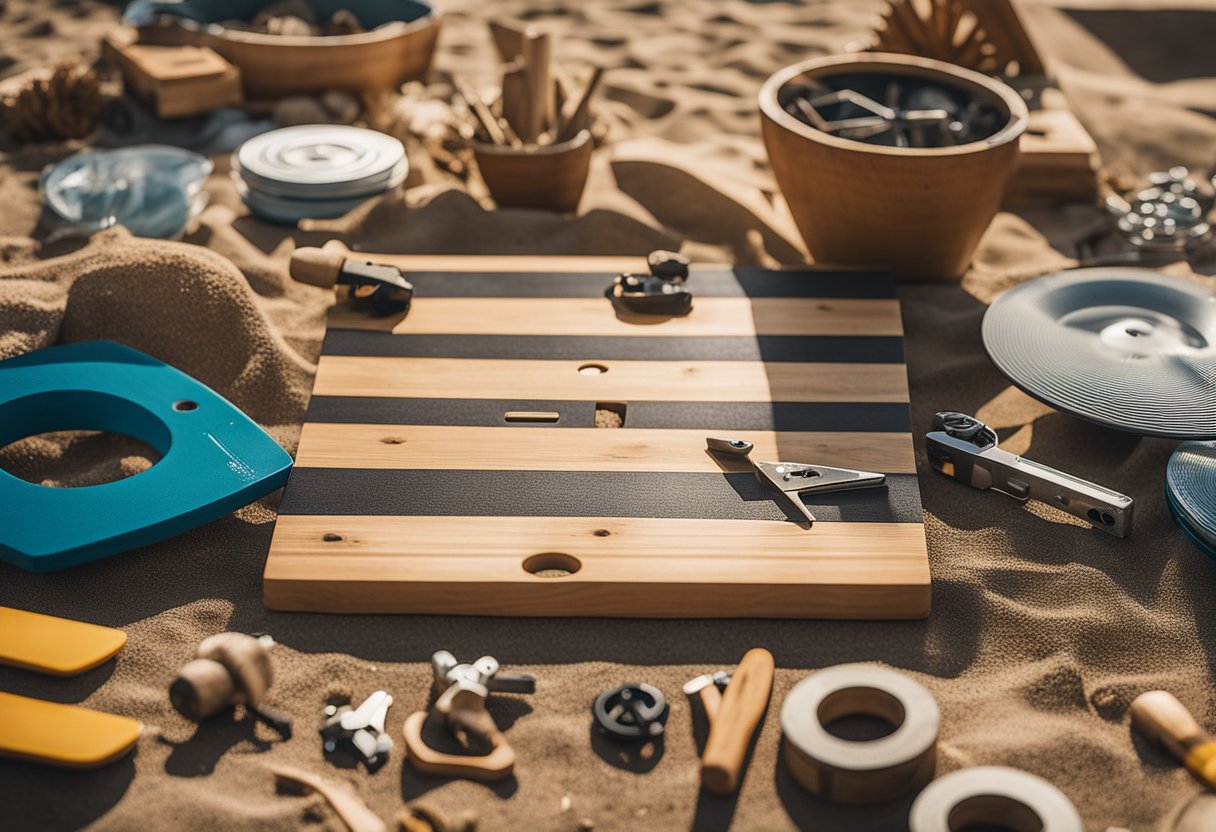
x=860, y=772
x=1015, y=799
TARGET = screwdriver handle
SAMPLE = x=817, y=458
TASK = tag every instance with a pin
x=1161, y=717
x=731, y=731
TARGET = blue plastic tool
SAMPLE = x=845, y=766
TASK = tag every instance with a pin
x=214, y=459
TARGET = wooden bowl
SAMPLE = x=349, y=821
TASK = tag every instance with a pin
x=918, y=212
x=551, y=177
x=399, y=49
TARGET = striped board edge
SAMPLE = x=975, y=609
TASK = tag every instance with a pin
x=451, y=463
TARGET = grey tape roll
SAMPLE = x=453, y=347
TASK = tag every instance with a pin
x=993, y=794
x=860, y=772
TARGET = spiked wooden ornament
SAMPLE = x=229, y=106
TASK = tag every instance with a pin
x=984, y=35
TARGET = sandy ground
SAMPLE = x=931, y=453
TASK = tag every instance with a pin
x=1041, y=633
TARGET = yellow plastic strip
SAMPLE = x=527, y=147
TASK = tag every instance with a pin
x=64, y=735
x=59, y=646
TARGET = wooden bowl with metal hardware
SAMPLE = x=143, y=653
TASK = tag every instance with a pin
x=916, y=211
x=550, y=176
x=397, y=46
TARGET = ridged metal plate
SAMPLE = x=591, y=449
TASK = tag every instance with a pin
x=1190, y=491
x=1131, y=349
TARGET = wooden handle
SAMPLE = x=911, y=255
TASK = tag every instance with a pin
x=711, y=701
x=1160, y=716
x=356, y=815
x=580, y=118
x=742, y=706
x=316, y=266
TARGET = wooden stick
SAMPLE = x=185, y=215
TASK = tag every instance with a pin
x=481, y=112
x=515, y=101
x=348, y=805
x=580, y=114
x=508, y=40
x=538, y=59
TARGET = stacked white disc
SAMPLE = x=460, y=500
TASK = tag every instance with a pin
x=316, y=171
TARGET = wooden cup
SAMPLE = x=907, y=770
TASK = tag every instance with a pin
x=917, y=212
x=550, y=177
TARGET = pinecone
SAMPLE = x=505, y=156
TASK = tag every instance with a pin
x=67, y=102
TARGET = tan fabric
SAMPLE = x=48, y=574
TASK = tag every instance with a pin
x=1041, y=633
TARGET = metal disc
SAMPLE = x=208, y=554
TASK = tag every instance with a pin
x=1131, y=349
x=321, y=161
x=1190, y=492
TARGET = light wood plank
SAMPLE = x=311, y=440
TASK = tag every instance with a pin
x=628, y=567
x=678, y=381
x=723, y=317
x=431, y=447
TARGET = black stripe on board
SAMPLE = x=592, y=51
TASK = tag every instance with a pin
x=715, y=283
x=343, y=491
x=873, y=349
x=710, y=416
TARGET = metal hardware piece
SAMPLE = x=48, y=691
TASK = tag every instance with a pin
x=719, y=679
x=1167, y=216
x=963, y=447
x=662, y=292
x=359, y=731
x=383, y=289
x=631, y=712
x=793, y=479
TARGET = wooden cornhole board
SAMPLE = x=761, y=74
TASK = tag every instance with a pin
x=414, y=492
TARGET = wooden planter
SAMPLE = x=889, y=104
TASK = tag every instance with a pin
x=550, y=177
x=918, y=212
x=273, y=66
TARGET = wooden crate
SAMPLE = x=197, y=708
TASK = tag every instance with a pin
x=414, y=492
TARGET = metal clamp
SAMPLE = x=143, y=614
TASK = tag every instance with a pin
x=793, y=479
x=963, y=447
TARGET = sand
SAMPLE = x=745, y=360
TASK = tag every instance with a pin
x=1041, y=631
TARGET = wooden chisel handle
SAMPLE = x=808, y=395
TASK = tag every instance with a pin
x=318, y=266
x=1160, y=716
x=731, y=732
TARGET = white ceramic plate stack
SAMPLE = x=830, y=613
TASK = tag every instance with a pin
x=316, y=171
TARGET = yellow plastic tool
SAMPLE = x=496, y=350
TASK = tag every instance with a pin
x=63, y=735
x=58, y=646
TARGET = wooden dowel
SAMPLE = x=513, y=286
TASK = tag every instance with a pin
x=538, y=58
x=515, y=101
x=481, y=112
x=580, y=114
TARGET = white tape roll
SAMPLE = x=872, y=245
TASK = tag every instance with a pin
x=860, y=772
x=321, y=161
x=1012, y=798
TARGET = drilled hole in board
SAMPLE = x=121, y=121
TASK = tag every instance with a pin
x=552, y=565
x=592, y=369
x=185, y=406
x=610, y=414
